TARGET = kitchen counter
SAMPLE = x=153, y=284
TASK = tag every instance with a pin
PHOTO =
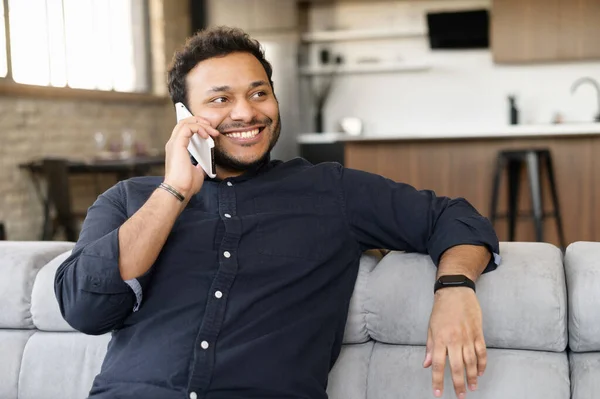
x=517, y=131
x=462, y=164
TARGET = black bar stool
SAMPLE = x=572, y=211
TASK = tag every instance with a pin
x=513, y=161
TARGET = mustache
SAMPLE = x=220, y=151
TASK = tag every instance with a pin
x=224, y=127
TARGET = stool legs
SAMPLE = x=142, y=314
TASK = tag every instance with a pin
x=554, y=193
x=536, y=194
x=535, y=161
x=495, y=189
x=514, y=172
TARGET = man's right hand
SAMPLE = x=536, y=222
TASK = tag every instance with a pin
x=180, y=173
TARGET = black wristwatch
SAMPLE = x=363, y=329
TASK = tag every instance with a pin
x=457, y=280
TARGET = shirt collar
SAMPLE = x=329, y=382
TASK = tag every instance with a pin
x=266, y=165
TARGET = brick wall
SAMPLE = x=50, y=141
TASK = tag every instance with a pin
x=34, y=127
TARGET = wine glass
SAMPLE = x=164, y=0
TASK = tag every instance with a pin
x=127, y=137
x=99, y=142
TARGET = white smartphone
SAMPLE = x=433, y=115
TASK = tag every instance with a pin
x=202, y=150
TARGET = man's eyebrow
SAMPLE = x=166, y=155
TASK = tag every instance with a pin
x=216, y=89
x=258, y=83
x=253, y=85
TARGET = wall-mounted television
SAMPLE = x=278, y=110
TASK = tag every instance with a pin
x=459, y=29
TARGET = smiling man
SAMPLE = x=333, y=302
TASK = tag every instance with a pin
x=239, y=286
x=248, y=131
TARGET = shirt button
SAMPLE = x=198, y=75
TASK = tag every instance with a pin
x=218, y=294
x=204, y=345
x=229, y=184
x=228, y=216
x=226, y=254
x=193, y=395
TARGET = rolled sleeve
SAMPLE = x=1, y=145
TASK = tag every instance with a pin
x=92, y=296
x=385, y=214
x=99, y=267
x=472, y=229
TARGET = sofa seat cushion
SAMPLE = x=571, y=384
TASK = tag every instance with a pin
x=348, y=378
x=12, y=345
x=60, y=365
x=395, y=371
x=585, y=374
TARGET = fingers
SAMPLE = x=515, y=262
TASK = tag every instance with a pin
x=438, y=364
x=428, y=350
x=470, y=360
x=188, y=126
x=468, y=357
x=457, y=367
x=201, y=130
x=481, y=352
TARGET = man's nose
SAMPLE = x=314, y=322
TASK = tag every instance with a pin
x=242, y=111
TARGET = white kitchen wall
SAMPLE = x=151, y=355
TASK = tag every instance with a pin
x=459, y=90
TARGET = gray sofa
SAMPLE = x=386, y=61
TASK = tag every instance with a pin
x=532, y=314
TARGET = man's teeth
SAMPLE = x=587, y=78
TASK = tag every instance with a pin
x=244, y=135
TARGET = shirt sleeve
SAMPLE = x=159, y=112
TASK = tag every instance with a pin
x=92, y=296
x=386, y=214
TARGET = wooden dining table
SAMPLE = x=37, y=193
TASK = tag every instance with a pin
x=122, y=167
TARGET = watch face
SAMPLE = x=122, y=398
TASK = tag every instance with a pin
x=452, y=280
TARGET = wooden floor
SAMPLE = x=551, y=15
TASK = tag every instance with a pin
x=465, y=168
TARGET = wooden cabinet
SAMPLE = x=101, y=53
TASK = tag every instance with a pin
x=545, y=30
x=442, y=166
x=579, y=36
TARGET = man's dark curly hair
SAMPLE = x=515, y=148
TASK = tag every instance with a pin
x=209, y=43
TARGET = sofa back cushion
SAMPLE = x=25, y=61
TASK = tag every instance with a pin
x=19, y=265
x=45, y=312
x=523, y=301
x=582, y=267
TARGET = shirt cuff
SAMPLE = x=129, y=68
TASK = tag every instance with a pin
x=496, y=258
x=494, y=262
x=137, y=290
x=473, y=230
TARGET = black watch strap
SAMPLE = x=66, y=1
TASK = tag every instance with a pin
x=456, y=280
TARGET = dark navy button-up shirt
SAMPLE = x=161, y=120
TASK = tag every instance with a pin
x=249, y=295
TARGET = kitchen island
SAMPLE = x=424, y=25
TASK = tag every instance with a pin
x=461, y=164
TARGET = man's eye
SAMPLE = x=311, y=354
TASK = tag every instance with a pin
x=259, y=94
x=219, y=100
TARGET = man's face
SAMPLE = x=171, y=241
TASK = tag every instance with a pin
x=233, y=93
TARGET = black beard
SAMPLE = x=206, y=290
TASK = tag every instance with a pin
x=229, y=163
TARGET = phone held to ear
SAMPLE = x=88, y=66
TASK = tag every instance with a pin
x=201, y=150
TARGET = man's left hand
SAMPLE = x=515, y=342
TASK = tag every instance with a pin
x=455, y=329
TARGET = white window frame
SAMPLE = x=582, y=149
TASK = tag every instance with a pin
x=142, y=60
